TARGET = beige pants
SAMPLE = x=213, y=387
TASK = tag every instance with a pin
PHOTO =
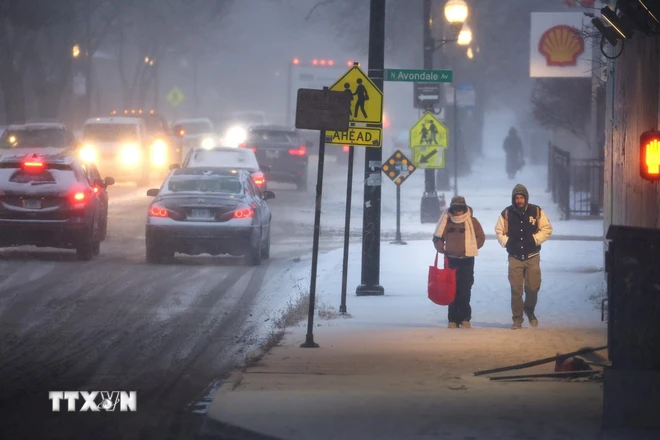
x=524, y=274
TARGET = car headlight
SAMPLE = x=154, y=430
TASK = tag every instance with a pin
x=208, y=142
x=88, y=154
x=235, y=135
x=159, y=153
x=130, y=155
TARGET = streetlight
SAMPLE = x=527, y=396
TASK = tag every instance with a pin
x=76, y=51
x=456, y=13
x=465, y=36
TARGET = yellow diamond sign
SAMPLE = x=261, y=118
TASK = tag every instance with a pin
x=398, y=167
x=175, y=97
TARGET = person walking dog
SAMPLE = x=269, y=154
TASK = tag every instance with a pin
x=459, y=236
x=521, y=228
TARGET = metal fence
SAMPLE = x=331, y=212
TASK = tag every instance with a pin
x=576, y=184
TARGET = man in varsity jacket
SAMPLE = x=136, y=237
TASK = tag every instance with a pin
x=521, y=228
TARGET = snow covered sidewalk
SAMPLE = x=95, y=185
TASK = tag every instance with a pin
x=392, y=370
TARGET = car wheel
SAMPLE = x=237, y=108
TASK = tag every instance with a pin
x=104, y=227
x=153, y=255
x=86, y=249
x=301, y=185
x=265, y=252
x=253, y=256
x=96, y=248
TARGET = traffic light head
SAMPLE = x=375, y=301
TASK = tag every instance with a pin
x=649, y=155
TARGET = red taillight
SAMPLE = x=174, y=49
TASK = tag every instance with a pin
x=96, y=189
x=79, y=196
x=34, y=164
x=243, y=213
x=246, y=146
x=300, y=151
x=345, y=148
x=259, y=178
x=157, y=211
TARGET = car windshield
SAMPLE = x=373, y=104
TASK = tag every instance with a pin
x=48, y=137
x=109, y=132
x=231, y=158
x=199, y=127
x=205, y=183
x=274, y=136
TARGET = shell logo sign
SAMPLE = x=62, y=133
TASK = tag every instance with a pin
x=556, y=47
x=561, y=45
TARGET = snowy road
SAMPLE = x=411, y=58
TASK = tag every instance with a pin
x=116, y=323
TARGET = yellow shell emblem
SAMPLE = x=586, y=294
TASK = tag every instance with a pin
x=561, y=46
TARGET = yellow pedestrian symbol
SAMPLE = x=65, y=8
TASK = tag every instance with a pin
x=366, y=99
x=428, y=141
x=175, y=96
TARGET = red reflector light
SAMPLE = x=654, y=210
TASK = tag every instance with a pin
x=259, y=178
x=300, y=151
x=157, y=211
x=244, y=213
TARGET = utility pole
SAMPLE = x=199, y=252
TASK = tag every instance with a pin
x=430, y=205
x=88, y=59
x=373, y=159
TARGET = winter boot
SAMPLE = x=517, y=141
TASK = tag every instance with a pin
x=533, y=321
x=452, y=325
x=466, y=324
x=516, y=326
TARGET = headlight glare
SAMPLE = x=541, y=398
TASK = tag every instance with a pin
x=130, y=155
x=88, y=154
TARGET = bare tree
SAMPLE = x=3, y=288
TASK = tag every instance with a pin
x=563, y=103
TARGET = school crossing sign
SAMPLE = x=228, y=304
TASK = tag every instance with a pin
x=366, y=107
x=428, y=141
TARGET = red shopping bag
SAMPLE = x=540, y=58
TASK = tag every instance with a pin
x=442, y=283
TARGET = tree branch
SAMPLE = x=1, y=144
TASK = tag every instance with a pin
x=318, y=5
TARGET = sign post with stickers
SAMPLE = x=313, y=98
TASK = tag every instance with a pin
x=398, y=168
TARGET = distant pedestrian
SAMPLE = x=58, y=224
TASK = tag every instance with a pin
x=514, y=153
x=459, y=236
x=521, y=228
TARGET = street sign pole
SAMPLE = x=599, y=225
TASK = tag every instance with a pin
x=430, y=204
x=455, y=144
x=309, y=339
x=370, y=276
x=397, y=237
x=347, y=229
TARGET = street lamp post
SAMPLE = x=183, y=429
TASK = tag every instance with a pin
x=456, y=12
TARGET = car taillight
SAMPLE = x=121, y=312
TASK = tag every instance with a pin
x=300, y=151
x=96, y=189
x=244, y=145
x=243, y=213
x=259, y=178
x=79, y=197
x=162, y=212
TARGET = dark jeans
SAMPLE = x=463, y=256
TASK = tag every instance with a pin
x=460, y=309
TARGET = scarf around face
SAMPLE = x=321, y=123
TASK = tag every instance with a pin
x=471, y=249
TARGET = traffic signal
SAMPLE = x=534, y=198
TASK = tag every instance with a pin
x=649, y=155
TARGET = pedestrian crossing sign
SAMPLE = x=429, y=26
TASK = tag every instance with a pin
x=366, y=98
x=428, y=141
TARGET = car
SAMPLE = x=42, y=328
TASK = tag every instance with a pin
x=52, y=201
x=281, y=153
x=208, y=210
x=197, y=132
x=32, y=137
x=120, y=146
x=227, y=157
x=165, y=145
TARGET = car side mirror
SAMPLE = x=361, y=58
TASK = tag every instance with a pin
x=174, y=166
x=153, y=192
x=269, y=195
x=109, y=181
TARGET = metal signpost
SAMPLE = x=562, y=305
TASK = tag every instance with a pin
x=319, y=110
x=398, y=168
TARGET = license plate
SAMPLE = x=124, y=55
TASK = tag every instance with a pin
x=272, y=154
x=32, y=204
x=200, y=213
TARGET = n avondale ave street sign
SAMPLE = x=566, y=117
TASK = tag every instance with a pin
x=412, y=75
